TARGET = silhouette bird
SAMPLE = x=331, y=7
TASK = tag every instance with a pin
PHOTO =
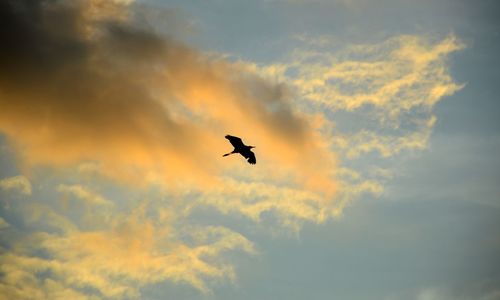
x=239, y=147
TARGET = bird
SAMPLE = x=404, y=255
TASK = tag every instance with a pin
x=239, y=147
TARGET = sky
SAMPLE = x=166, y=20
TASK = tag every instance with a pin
x=376, y=133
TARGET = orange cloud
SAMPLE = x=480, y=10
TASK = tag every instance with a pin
x=116, y=259
x=146, y=109
x=87, y=89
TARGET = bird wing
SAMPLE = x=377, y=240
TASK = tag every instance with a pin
x=251, y=158
x=235, y=141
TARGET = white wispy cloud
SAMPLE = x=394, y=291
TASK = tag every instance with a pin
x=387, y=89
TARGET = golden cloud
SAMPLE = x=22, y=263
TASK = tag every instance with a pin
x=115, y=259
x=89, y=90
x=143, y=107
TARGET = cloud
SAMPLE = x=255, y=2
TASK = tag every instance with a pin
x=83, y=194
x=395, y=75
x=147, y=109
x=19, y=183
x=366, y=140
x=114, y=258
x=84, y=85
x=391, y=87
x=97, y=100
